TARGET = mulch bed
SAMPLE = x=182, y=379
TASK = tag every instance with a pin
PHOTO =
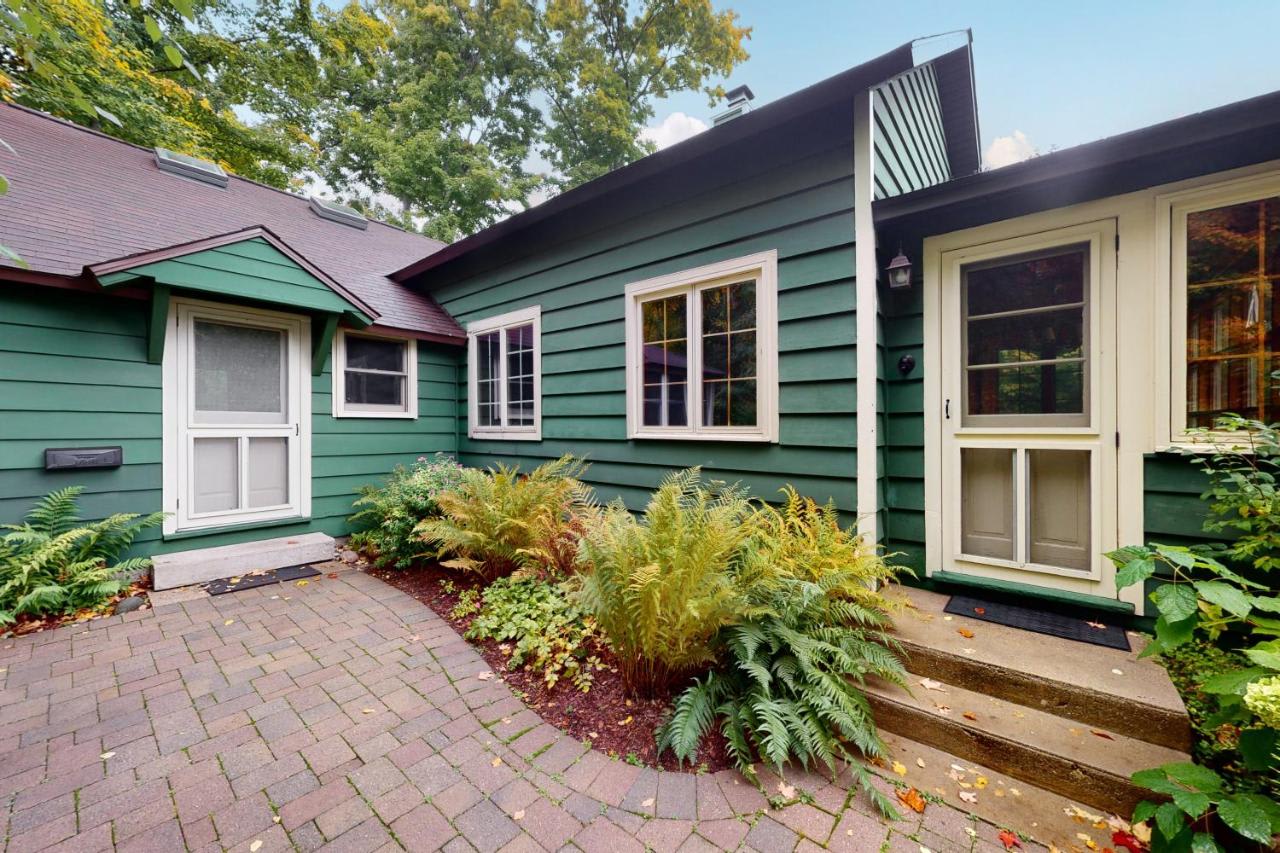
x=27, y=624
x=597, y=716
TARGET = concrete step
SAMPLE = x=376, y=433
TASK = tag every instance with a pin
x=1003, y=801
x=201, y=565
x=1093, y=685
x=1089, y=764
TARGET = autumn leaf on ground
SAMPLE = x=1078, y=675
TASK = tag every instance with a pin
x=980, y=783
x=1008, y=839
x=965, y=632
x=920, y=762
x=485, y=676
x=106, y=755
x=788, y=792
x=332, y=576
x=1087, y=841
x=303, y=583
x=930, y=684
x=969, y=715
x=969, y=796
x=899, y=768
x=647, y=803
x=981, y=611
x=944, y=710
x=229, y=622
x=368, y=711
x=1129, y=841
x=518, y=814
x=1101, y=734
x=911, y=798
x=1097, y=626
x=496, y=762
x=625, y=722
x=255, y=846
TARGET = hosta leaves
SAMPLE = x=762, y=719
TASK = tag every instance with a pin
x=1245, y=817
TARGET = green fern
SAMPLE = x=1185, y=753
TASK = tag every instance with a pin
x=790, y=684
x=53, y=562
x=495, y=522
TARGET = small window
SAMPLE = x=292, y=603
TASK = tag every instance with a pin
x=702, y=353
x=374, y=377
x=505, y=376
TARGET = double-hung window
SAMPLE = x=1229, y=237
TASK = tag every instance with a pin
x=702, y=353
x=504, y=358
x=1226, y=305
x=374, y=376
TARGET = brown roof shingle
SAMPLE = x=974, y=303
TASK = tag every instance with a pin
x=78, y=197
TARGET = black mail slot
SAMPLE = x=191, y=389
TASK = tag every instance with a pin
x=59, y=458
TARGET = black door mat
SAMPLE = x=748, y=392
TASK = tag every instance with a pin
x=1079, y=628
x=256, y=579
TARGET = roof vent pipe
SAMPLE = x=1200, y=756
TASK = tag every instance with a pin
x=739, y=101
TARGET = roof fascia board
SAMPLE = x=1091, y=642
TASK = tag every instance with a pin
x=111, y=273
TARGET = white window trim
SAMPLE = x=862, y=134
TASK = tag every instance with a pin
x=343, y=409
x=1171, y=217
x=532, y=314
x=763, y=266
x=176, y=389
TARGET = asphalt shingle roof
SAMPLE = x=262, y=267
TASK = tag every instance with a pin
x=78, y=197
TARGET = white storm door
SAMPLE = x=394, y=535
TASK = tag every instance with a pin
x=1028, y=426
x=240, y=404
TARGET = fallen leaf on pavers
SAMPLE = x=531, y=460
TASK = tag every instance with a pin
x=255, y=846
x=969, y=796
x=920, y=762
x=912, y=799
x=981, y=611
x=1128, y=841
x=971, y=832
x=944, y=710
x=275, y=819
x=1076, y=813
x=969, y=651
x=924, y=849
x=303, y=583
x=106, y=755
x=274, y=597
x=415, y=638
x=496, y=762
x=1019, y=714
x=999, y=792
x=1087, y=841
x=946, y=618
x=899, y=768
x=1008, y=839
x=647, y=803
x=1097, y=626
x=930, y=684
x=229, y=622
x=956, y=774
x=1101, y=734
x=980, y=783
x=506, y=721
x=368, y=711
x=965, y=632
x=969, y=715
x=788, y=792
x=332, y=576
x=485, y=676
x=518, y=814
x=1117, y=672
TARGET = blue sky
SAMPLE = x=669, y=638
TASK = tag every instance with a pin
x=1059, y=73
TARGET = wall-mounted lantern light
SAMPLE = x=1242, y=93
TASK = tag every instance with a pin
x=899, y=271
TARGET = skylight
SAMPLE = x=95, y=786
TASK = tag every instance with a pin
x=331, y=210
x=191, y=167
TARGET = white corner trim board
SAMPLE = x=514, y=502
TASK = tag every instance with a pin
x=183, y=568
x=868, y=310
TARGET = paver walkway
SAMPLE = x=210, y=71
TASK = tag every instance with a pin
x=345, y=715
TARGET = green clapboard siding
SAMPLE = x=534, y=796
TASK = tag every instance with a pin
x=250, y=270
x=910, y=146
x=73, y=372
x=799, y=203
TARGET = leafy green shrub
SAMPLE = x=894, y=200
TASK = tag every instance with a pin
x=661, y=587
x=394, y=509
x=793, y=669
x=54, y=563
x=1196, y=796
x=494, y=522
x=548, y=629
x=1243, y=495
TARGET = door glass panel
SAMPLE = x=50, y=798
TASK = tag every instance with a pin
x=239, y=374
x=216, y=475
x=987, y=502
x=268, y=472
x=1060, y=517
x=1233, y=320
x=666, y=363
x=1026, y=339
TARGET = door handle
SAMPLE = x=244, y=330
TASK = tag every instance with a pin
x=946, y=409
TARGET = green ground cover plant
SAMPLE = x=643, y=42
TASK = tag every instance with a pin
x=56, y=563
x=390, y=512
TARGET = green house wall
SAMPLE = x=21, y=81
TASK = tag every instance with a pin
x=73, y=373
x=796, y=199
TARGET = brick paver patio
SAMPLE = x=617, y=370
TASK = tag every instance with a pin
x=344, y=715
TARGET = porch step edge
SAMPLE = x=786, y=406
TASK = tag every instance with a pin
x=1034, y=746
x=201, y=565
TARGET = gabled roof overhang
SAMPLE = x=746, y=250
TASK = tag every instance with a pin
x=251, y=264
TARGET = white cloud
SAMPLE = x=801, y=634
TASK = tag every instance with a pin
x=1007, y=150
x=676, y=127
